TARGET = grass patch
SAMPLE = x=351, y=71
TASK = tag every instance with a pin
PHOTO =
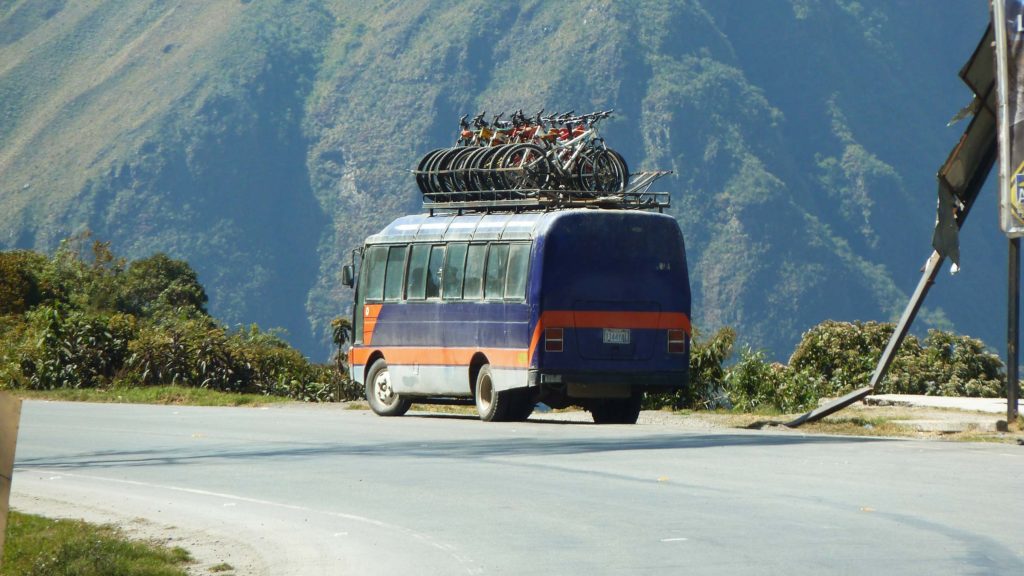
x=177, y=395
x=38, y=546
x=858, y=426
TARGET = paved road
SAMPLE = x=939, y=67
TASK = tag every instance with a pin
x=320, y=490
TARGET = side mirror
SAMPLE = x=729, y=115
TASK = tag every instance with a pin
x=347, y=276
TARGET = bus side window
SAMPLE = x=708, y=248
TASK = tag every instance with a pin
x=497, y=265
x=515, y=284
x=374, y=261
x=474, y=289
x=434, y=272
x=454, y=271
x=415, y=287
x=396, y=273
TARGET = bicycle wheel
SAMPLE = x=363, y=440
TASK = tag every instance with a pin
x=470, y=169
x=491, y=175
x=460, y=170
x=423, y=180
x=445, y=178
x=525, y=167
x=598, y=171
x=583, y=178
x=431, y=181
x=622, y=168
x=482, y=169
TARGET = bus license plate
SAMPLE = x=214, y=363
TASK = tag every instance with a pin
x=616, y=335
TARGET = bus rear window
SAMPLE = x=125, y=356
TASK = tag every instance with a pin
x=375, y=261
x=454, y=271
x=515, y=284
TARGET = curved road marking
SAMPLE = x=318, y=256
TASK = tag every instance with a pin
x=466, y=562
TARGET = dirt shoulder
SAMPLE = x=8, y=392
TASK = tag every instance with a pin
x=899, y=418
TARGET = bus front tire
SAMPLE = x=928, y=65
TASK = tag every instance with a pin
x=379, y=393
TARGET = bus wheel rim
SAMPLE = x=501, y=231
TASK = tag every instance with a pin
x=486, y=390
x=382, y=387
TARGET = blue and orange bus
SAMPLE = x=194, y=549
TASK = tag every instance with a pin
x=585, y=307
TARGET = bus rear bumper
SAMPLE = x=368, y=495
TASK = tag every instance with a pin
x=603, y=384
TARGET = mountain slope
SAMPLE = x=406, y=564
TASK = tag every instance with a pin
x=262, y=141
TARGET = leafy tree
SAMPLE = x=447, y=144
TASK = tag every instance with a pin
x=161, y=283
x=19, y=281
x=341, y=333
x=87, y=318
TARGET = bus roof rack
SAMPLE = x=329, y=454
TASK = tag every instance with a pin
x=636, y=196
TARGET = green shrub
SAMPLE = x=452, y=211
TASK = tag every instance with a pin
x=86, y=318
x=269, y=366
x=74, y=349
x=185, y=352
x=754, y=384
x=955, y=365
x=13, y=348
x=844, y=355
x=348, y=389
x=20, y=287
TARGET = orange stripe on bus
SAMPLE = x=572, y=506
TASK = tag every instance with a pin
x=514, y=357
x=438, y=356
x=599, y=319
x=370, y=314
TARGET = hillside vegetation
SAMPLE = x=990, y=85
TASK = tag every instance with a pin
x=86, y=319
x=262, y=141
x=85, y=324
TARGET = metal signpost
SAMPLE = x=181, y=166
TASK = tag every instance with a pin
x=1008, y=24
x=995, y=73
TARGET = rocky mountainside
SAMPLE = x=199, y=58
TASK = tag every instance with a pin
x=262, y=140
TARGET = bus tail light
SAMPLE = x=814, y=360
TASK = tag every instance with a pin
x=553, y=339
x=676, y=341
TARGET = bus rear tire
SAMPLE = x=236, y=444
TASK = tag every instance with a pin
x=379, y=393
x=617, y=410
x=490, y=404
x=521, y=406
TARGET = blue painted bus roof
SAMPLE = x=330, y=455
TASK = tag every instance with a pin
x=477, y=226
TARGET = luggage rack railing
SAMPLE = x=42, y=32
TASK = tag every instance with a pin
x=636, y=196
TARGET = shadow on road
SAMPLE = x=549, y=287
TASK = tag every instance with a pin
x=457, y=449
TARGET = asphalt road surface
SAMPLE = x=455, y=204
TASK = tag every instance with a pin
x=310, y=490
